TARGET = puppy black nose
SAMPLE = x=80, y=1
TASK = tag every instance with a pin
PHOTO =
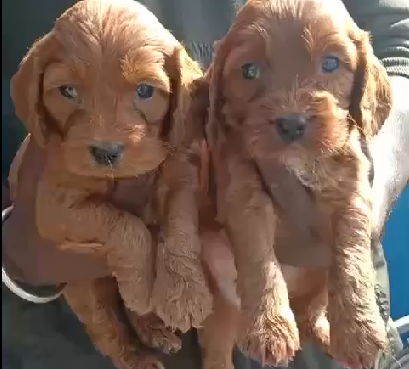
x=107, y=153
x=291, y=127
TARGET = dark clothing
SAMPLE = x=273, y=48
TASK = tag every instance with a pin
x=199, y=23
x=49, y=336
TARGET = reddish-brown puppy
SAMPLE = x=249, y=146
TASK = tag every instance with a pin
x=296, y=82
x=106, y=96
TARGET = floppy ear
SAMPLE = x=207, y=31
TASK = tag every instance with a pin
x=371, y=97
x=216, y=127
x=27, y=86
x=183, y=125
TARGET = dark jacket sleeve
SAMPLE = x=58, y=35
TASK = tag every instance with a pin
x=388, y=23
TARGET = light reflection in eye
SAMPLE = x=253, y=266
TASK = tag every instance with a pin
x=144, y=91
x=330, y=64
x=68, y=92
x=250, y=71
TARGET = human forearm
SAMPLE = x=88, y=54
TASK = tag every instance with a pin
x=390, y=151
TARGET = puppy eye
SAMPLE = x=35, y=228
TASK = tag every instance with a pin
x=68, y=91
x=250, y=71
x=330, y=64
x=144, y=91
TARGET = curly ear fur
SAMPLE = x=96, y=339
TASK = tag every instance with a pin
x=27, y=85
x=371, y=97
x=180, y=128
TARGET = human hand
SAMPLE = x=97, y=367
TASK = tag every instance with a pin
x=29, y=258
x=390, y=152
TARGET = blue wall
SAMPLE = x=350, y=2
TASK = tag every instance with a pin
x=396, y=246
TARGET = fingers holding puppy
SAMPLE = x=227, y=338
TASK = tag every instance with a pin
x=124, y=238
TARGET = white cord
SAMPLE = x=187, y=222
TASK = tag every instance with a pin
x=17, y=290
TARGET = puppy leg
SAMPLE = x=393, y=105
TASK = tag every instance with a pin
x=98, y=306
x=153, y=333
x=131, y=258
x=82, y=222
x=311, y=317
x=270, y=334
x=219, y=333
x=181, y=297
x=357, y=329
x=308, y=290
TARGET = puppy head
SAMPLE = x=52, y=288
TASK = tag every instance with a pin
x=292, y=77
x=111, y=86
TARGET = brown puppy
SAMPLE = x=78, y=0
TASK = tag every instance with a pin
x=106, y=97
x=296, y=82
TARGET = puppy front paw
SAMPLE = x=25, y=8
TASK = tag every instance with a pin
x=149, y=362
x=134, y=273
x=131, y=358
x=181, y=301
x=218, y=363
x=153, y=332
x=355, y=341
x=272, y=339
x=317, y=330
x=160, y=338
x=137, y=298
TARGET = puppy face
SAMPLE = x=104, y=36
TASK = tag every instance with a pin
x=110, y=85
x=293, y=76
